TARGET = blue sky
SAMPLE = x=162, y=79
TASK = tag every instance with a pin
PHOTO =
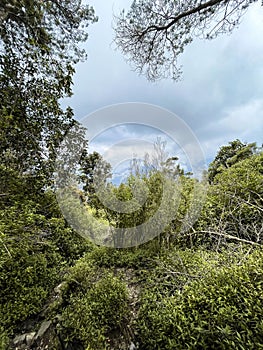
x=220, y=95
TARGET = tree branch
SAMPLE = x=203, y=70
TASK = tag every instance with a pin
x=225, y=235
x=182, y=15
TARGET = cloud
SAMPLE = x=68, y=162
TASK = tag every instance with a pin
x=122, y=143
x=219, y=95
x=244, y=119
x=244, y=122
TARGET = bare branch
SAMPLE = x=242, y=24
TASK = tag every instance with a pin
x=225, y=235
x=182, y=15
x=176, y=23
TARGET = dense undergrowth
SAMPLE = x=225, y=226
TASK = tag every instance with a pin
x=183, y=284
x=199, y=290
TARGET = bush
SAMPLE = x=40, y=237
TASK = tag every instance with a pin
x=130, y=257
x=69, y=244
x=25, y=281
x=97, y=306
x=3, y=339
x=222, y=310
x=234, y=203
x=29, y=265
x=34, y=248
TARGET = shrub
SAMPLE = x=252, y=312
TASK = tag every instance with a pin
x=234, y=203
x=34, y=248
x=28, y=267
x=222, y=310
x=130, y=257
x=96, y=307
x=3, y=339
x=69, y=244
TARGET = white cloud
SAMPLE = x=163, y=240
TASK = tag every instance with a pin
x=245, y=119
x=244, y=122
x=219, y=96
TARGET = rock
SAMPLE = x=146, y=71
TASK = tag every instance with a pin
x=42, y=330
x=45, y=338
x=30, y=338
x=19, y=339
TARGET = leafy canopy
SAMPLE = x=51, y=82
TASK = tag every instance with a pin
x=39, y=45
x=229, y=155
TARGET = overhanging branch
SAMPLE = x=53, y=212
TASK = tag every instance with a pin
x=182, y=15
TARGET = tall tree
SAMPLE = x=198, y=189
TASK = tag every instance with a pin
x=229, y=155
x=39, y=46
x=94, y=173
x=153, y=33
x=234, y=205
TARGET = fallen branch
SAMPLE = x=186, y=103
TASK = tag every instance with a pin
x=225, y=235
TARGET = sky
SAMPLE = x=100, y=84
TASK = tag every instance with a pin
x=219, y=96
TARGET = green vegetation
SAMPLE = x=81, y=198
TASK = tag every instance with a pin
x=178, y=283
x=97, y=310
x=202, y=289
x=216, y=307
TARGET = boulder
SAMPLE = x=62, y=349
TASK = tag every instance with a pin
x=43, y=328
x=19, y=340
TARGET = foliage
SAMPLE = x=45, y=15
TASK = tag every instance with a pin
x=98, y=306
x=142, y=207
x=94, y=173
x=177, y=267
x=29, y=264
x=147, y=206
x=229, y=155
x=15, y=188
x=235, y=201
x=152, y=34
x=134, y=257
x=40, y=44
x=221, y=310
x=4, y=340
x=193, y=298
x=23, y=196
x=53, y=27
x=35, y=246
x=39, y=47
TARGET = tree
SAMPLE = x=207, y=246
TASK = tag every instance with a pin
x=39, y=47
x=94, y=172
x=234, y=205
x=153, y=33
x=158, y=160
x=153, y=201
x=229, y=155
